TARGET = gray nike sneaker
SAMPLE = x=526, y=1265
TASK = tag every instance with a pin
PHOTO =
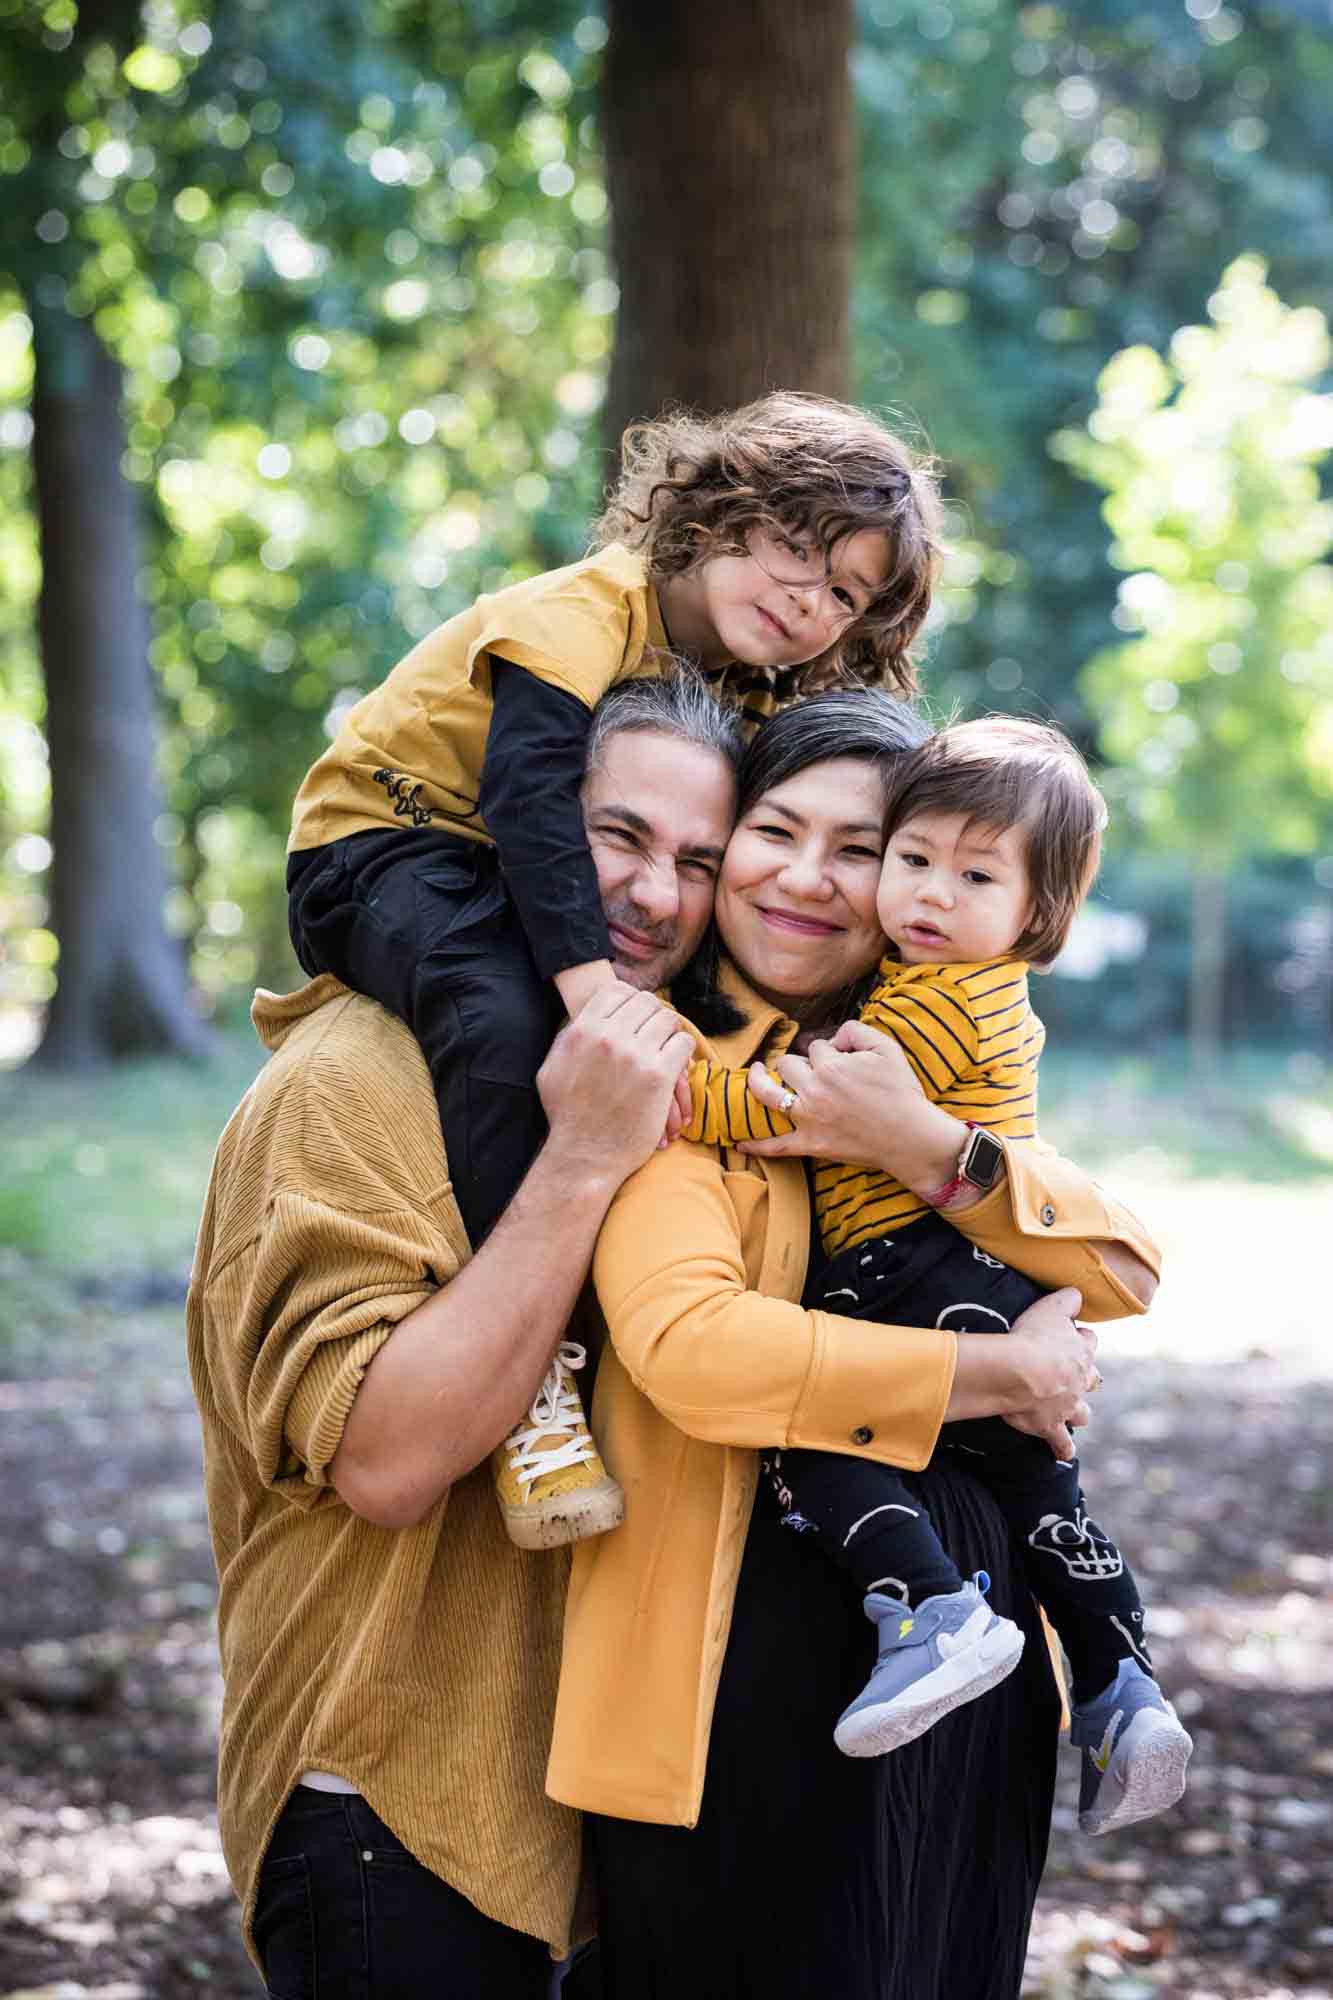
x=1135, y=1749
x=931, y=1659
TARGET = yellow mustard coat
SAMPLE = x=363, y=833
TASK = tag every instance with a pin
x=699, y=1271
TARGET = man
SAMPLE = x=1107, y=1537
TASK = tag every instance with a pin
x=389, y=1656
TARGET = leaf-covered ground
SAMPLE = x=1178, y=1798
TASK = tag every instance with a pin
x=111, y=1880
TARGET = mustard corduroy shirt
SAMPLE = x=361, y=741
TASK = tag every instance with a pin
x=420, y=1664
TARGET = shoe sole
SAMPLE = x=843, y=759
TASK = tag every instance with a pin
x=575, y=1516
x=888, y=1725
x=1151, y=1776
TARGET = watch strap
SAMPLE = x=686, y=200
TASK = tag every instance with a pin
x=961, y=1179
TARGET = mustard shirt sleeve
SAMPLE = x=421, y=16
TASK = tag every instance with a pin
x=734, y=1366
x=1045, y=1219
x=583, y=633
x=324, y=1291
x=294, y=1317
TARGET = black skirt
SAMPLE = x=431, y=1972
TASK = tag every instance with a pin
x=814, y=1876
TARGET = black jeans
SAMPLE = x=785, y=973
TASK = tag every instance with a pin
x=344, y=1912
x=423, y=923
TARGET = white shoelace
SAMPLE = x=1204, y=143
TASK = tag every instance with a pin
x=555, y=1412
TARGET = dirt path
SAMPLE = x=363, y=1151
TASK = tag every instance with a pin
x=111, y=1881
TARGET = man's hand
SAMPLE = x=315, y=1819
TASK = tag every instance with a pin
x=608, y=1080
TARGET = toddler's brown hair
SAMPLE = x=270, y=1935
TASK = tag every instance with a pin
x=1004, y=771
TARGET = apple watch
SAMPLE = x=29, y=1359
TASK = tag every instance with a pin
x=980, y=1165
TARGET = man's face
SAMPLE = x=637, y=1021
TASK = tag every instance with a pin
x=658, y=813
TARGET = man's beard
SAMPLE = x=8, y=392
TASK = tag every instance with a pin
x=664, y=938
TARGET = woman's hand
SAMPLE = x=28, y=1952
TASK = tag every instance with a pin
x=858, y=1099
x=1037, y=1376
x=1062, y=1370
x=1053, y=1421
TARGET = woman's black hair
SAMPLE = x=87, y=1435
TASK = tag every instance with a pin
x=847, y=722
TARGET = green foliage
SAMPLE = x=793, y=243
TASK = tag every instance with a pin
x=1276, y=983
x=1043, y=185
x=1220, y=713
x=357, y=280
x=110, y=1178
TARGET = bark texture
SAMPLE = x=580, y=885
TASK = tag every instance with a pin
x=729, y=141
x=122, y=984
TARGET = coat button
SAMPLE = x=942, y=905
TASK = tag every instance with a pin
x=862, y=1434
x=1047, y=1214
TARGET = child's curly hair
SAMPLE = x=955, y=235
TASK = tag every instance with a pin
x=692, y=487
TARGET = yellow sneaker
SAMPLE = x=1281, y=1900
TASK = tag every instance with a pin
x=549, y=1477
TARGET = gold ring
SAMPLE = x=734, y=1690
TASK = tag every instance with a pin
x=1097, y=1379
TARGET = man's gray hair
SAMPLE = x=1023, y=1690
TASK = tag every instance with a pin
x=679, y=704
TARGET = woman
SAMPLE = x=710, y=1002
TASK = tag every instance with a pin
x=709, y=1650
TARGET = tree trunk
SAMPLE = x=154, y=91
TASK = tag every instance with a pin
x=1208, y=957
x=122, y=984
x=728, y=127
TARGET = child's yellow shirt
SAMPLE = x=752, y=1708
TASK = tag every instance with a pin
x=411, y=753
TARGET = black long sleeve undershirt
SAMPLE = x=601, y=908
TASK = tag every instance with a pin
x=530, y=785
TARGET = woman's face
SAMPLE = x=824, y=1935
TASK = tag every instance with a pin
x=796, y=896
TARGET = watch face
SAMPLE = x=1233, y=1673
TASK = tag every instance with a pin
x=985, y=1157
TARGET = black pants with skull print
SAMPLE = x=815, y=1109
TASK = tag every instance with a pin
x=874, y=1527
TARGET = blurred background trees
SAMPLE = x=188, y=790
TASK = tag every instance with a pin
x=347, y=305
x=1217, y=715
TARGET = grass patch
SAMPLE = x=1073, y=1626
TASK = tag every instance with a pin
x=1268, y=1115
x=106, y=1173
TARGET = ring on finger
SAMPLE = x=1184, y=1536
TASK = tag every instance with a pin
x=786, y=1101
x=1097, y=1379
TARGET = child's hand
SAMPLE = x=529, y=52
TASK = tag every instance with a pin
x=577, y=983
x=679, y=1112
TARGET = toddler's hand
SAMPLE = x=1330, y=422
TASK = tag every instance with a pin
x=679, y=1112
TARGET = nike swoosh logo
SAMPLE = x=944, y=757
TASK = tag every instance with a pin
x=1101, y=1756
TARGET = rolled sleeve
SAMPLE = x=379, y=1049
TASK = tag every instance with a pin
x=295, y=1320
x=1047, y=1217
